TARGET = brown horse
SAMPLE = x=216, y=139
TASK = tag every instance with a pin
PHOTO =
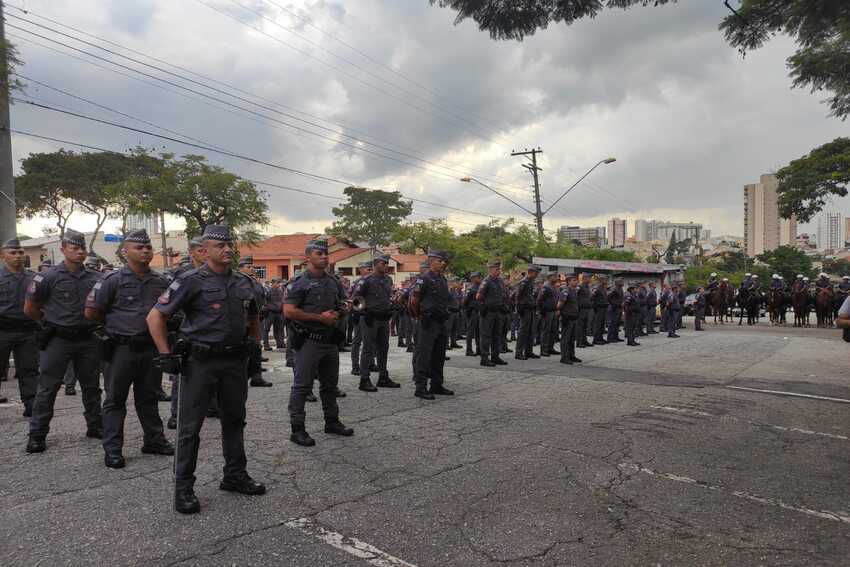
x=800, y=302
x=776, y=306
x=823, y=307
x=720, y=302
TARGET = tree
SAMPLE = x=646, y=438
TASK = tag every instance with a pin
x=48, y=187
x=807, y=183
x=838, y=267
x=9, y=62
x=821, y=30
x=370, y=215
x=201, y=194
x=787, y=261
x=672, y=248
x=420, y=236
x=731, y=262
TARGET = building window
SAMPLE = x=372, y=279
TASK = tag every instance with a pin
x=260, y=272
x=391, y=269
x=346, y=271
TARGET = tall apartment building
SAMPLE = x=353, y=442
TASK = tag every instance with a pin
x=663, y=230
x=147, y=222
x=593, y=236
x=763, y=229
x=616, y=233
x=829, y=231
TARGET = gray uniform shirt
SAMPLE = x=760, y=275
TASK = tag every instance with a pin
x=13, y=291
x=125, y=300
x=314, y=294
x=216, y=306
x=492, y=292
x=63, y=295
x=376, y=290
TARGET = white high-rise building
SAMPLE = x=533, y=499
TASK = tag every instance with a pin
x=829, y=231
x=147, y=222
x=641, y=230
x=764, y=230
x=616, y=233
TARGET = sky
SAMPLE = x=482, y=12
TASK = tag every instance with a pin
x=393, y=95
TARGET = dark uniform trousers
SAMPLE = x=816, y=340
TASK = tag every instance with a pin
x=23, y=344
x=599, y=323
x=569, y=328
x=615, y=317
x=376, y=343
x=548, y=331
x=53, y=362
x=472, y=331
x=273, y=322
x=668, y=320
x=583, y=325
x=525, y=340
x=699, y=314
x=492, y=334
x=632, y=325
x=315, y=360
x=649, y=316
x=131, y=367
x=430, y=355
x=228, y=376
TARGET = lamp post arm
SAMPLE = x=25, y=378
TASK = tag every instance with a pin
x=573, y=186
x=500, y=195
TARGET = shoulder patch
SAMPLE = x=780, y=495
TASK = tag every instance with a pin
x=38, y=278
x=174, y=285
x=97, y=285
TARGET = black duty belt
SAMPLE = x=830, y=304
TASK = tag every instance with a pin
x=203, y=351
x=135, y=341
x=9, y=324
x=325, y=338
x=72, y=333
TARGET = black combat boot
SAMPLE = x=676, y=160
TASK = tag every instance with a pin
x=114, y=461
x=386, y=382
x=186, y=502
x=366, y=385
x=243, y=484
x=300, y=436
x=337, y=428
x=440, y=390
x=486, y=362
x=36, y=445
x=424, y=394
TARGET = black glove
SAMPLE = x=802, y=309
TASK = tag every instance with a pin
x=169, y=363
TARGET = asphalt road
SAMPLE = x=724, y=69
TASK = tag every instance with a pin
x=672, y=453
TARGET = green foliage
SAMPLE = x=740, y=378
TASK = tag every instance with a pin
x=731, y=262
x=786, y=261
x=420, y=236
x=370, y=215
x=839, y=267
x=10, y=61
x=822, y=32
x=807, y=183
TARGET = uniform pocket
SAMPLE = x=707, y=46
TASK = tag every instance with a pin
x=66, y=292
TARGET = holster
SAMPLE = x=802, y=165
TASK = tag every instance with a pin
x=105, y=346
x=297, y=338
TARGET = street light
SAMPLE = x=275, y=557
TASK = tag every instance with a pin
x=539, y=215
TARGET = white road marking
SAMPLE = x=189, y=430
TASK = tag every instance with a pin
x=688, y=411
x=795, y=394
x=350, y=545
x=843, y=517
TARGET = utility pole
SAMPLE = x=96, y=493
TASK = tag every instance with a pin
x=8, y=209
x=538, y=210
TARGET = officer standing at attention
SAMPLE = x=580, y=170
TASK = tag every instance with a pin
x=631, y=307
x=599, y=297
x=57, y=298
x=615, y=311
x=313, y=304
x=585, y=312
x=569, y=309
x=525, y=306
x=472, y=309
x=491, y=297
x=376, y=291
x=221, y=311
x=121, y=301
x=641, y=320
x=17, y=331
x=363, y=270
x=255, y=354
x=682, y=295
x=274, y=316
x=699, y=309
x=651, y=304
x=429, y=303
x=547, y=303
x=672, y=310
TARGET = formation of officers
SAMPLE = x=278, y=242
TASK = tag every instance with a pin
x=205, y=325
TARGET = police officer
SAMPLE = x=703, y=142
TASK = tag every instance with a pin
x=547, y=303
x=273, y=320
x=221, y=312
x=407, y=323
x=122, y=301
x=313, y=304
x=472, y=311
x=585, y=312
x=429, y=303
x=599, y=298
x=641, y=299
x=17, y=331
x=255, y=356
x=525, y=311
x=682, y=295
x=491, y=297
x=776, y=284
x=823, y=281
x=376, y=290
x=568, y=308
x=747, y=282
x=651, y=304
x=57, y=298
x=454, y=323
x=631, y=308
x=699, y=309
x=615, y=311
x=671, y=310
x=363, y=270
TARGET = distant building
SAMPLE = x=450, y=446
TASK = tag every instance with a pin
x=763, y=229
x=847, y=232
x=593, y=236
x=705, y=234
x=641, y=230
x=616, y=233
x=829, y=231
x=662, y=230
x=147, y=222
x=804, y=242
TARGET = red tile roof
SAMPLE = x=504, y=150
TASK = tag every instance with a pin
x=409, y=262
x=283, y=246
x=344, y=253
